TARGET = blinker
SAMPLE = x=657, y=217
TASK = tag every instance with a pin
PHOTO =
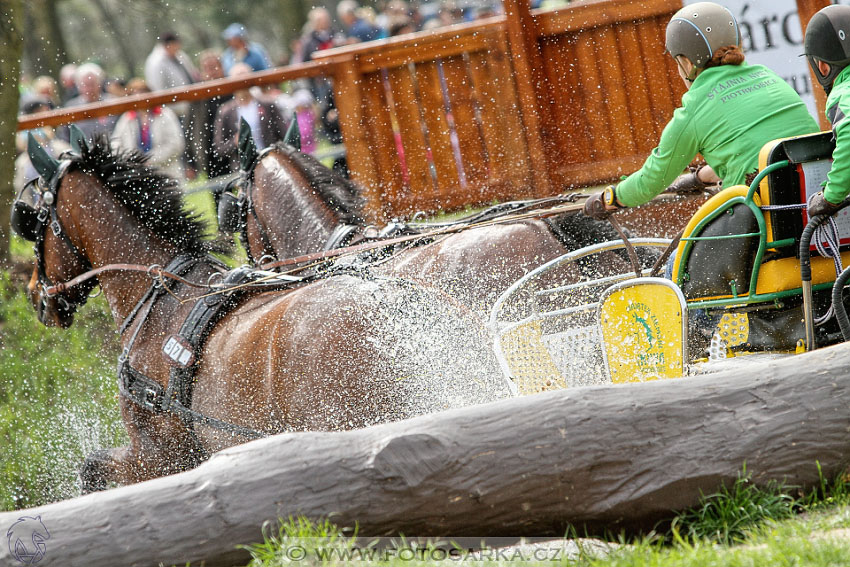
x=25, y=219
x=229, y=213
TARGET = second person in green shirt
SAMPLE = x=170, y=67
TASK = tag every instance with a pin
x=731, y=110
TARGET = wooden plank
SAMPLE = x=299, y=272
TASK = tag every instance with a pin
x=570, y=138
x=527, y=64
x=406, y=108
x=381, y=141
x=197, y=91
x=599, y=459
x=438, y=132
x=608, y=54
x=590, y=13
x=502, y=87
x=593, y=98
x=461, y=95
x=663, y=98
x=349, y=101
x=634, y=73
x=806, y=9
x=421, y=47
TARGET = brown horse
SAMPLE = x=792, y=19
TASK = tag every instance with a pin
x=290, y=204
x=342, y=352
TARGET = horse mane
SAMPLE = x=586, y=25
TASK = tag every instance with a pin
x=152, y=197
x=341, y=195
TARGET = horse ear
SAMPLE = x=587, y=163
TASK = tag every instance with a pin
x=45, y=164
x=247, y=148
x=293, y=135
x=78, y=139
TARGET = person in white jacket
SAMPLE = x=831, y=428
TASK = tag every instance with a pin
x=155, y=132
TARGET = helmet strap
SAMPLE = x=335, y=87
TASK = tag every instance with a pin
x=689, y=77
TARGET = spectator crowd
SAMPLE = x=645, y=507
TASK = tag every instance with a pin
x=185, y=139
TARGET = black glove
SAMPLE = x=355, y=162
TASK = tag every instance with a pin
x=687, y=183
x=818, y=205
x=595, y=207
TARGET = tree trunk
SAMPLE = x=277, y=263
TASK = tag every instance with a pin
x=602, y=459
x=11, y=46
x=44, y=41
x=124, y=47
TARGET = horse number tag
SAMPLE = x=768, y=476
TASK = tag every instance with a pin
x=178, y=351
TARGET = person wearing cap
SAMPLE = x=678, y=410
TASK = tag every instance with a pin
x=240, y=50
x=827, y=45
x=731, y=110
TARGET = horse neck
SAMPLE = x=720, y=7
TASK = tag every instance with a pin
x=107, y=234
x=296, y=220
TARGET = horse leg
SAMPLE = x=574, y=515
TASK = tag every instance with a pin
x=105, y=467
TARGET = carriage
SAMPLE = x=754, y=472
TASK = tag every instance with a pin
x=742, y=276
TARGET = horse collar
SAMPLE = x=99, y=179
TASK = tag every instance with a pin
x=176, y=397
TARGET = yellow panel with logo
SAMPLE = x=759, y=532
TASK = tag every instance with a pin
x=644, y=330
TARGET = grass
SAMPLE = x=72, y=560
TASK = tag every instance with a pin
x=57, y=398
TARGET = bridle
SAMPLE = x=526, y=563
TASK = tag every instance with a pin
x=236, y=201
x=34, y=211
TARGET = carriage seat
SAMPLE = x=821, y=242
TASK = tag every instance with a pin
x=721, y=268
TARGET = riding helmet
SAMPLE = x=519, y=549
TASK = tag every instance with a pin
x=828, y=40
x=698, y=30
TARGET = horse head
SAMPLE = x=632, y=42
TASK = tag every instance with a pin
x=285, y=202
x=37, y=215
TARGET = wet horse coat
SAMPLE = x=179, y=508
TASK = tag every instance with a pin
x=297, y=203
x=342, y=352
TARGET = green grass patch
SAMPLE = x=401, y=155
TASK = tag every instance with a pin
x=57, y=398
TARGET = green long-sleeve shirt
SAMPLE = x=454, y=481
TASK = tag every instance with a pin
x=728, y=114
x=837, y=108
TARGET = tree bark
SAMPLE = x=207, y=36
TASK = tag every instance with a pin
x=45, y=43
x=602, y=459
x=124, y=48
x=11, y=46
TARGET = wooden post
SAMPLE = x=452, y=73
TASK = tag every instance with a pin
x=527, y=62
x=806, y=9
x=349, y=102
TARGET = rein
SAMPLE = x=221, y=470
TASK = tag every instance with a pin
x=155, y=271
x=449, y=229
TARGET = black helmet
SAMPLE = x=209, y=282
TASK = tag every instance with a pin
x=828, y=40
x=698, y=30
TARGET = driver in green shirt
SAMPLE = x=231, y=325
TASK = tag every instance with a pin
x=730, y=111
x=828, y=50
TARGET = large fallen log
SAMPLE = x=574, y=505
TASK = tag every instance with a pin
x=600, y=458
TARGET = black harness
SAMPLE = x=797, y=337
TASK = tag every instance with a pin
x=182, y=350
x=33, y=212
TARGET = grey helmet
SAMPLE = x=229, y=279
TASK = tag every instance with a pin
x=698, y=30
x=828, y=40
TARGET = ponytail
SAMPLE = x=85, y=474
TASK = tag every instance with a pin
x=727, y=55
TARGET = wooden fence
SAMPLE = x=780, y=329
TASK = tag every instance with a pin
x=439, y=122
x=522, y=105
